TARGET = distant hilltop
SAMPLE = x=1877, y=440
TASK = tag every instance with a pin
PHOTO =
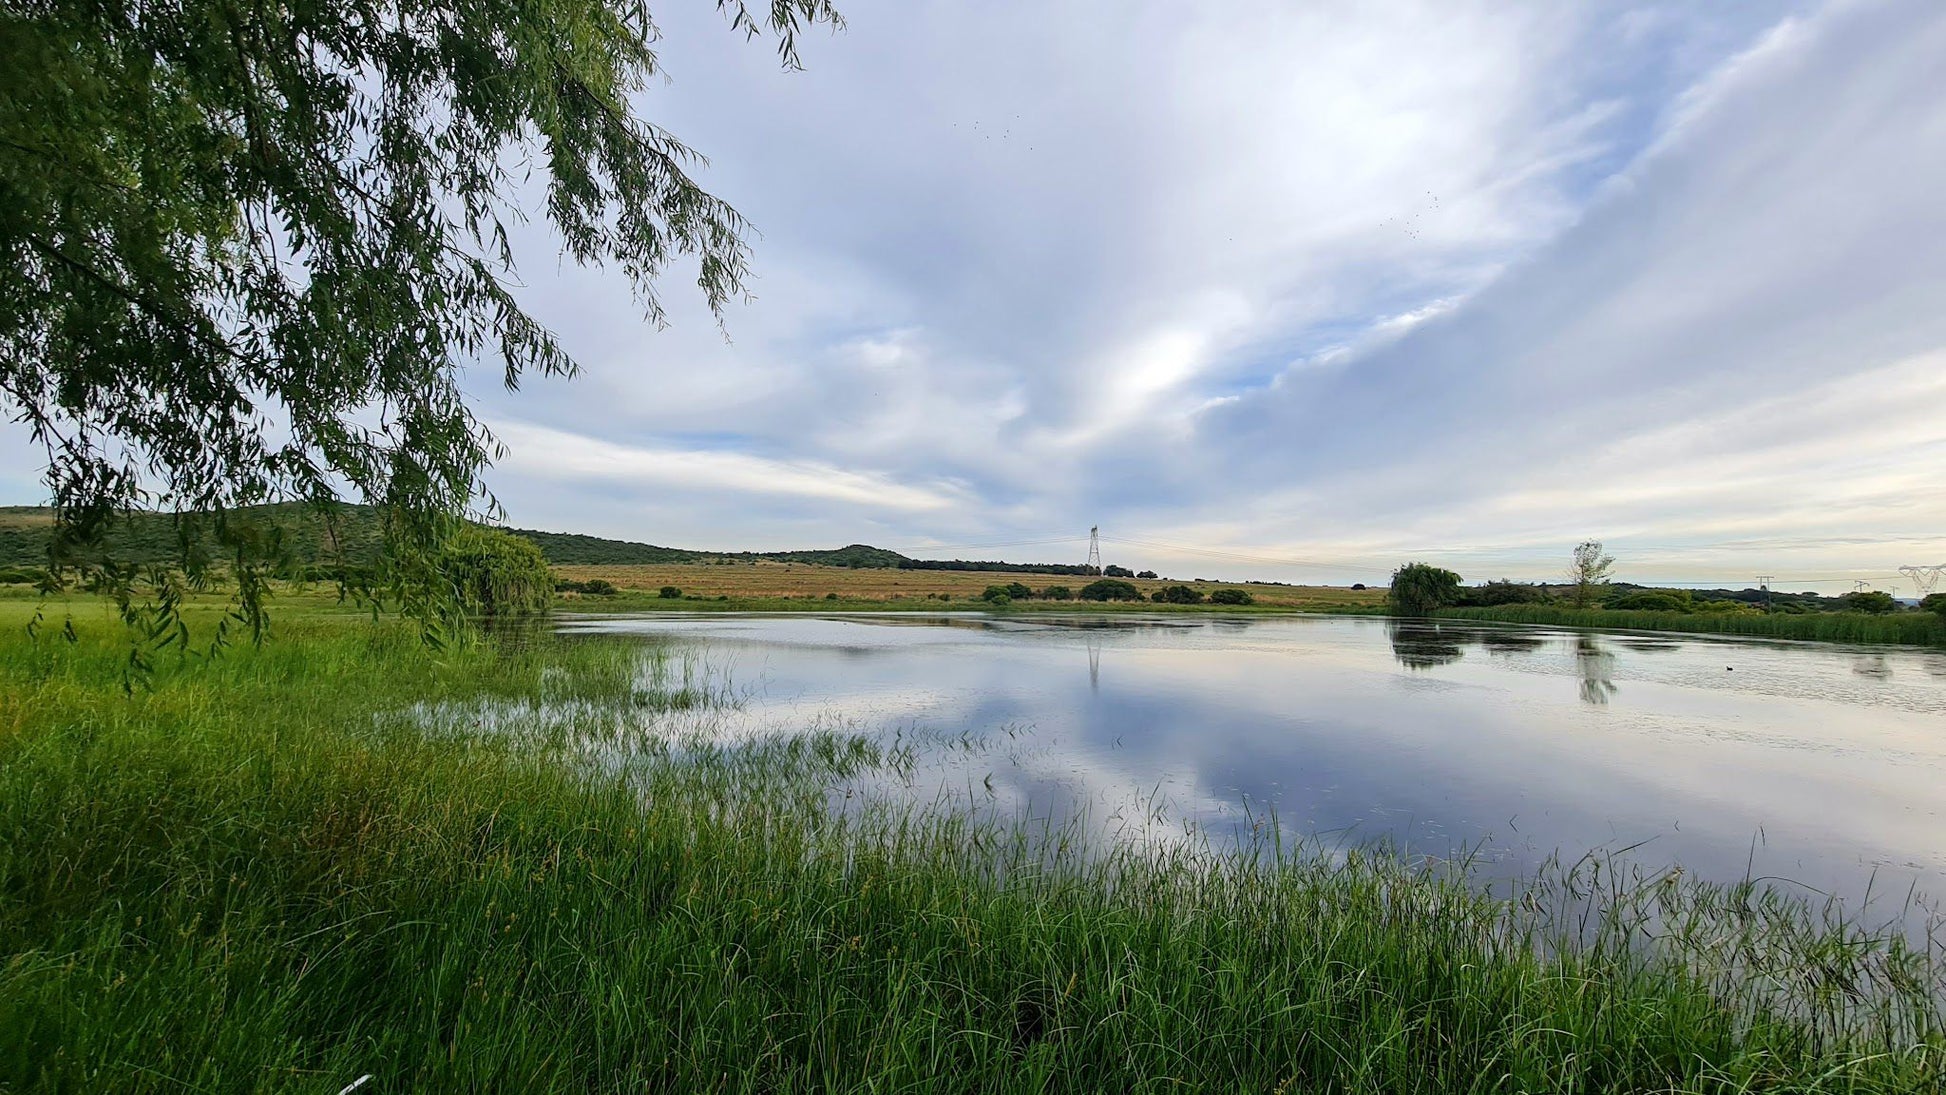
x=151, y=537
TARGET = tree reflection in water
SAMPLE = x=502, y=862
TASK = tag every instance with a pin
x=1423, y=644
x=1596, y=664
x=1428, y=644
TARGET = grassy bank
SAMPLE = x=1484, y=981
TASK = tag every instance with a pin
x=344, y=854
x=1914, y=628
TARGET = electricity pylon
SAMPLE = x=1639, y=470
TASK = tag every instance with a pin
x=1094, y=551
x=1924, y=578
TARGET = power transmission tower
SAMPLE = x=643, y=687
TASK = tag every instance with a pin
x=1924, y=579
x=1860, y=586
x=1094, y=551
x=1763, y=583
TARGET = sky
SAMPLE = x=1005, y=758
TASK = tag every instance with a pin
x=1286, y=291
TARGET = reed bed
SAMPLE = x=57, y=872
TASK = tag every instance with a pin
x=344, y=854
x=1910, y=628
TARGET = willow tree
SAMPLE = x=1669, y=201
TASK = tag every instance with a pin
x=248, y=246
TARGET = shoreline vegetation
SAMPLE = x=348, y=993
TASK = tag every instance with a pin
x=492, y=867
x=1905, y=629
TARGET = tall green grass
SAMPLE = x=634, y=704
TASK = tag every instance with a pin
x=490, y=869
x=1914, y=628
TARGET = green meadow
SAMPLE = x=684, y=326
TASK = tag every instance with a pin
x=523, y=864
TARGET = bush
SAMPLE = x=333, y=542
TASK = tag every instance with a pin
x=1058, y=593
x=599, y=587
x=1176, y=595
x=1110, y=589
x=1358, y=585
x=1146, y=574
x=495, y=573
x=1934, y=603
x=1230, y=597
x=1875, y=601
x=668, y=593
x=21, y=575
x=998, y=600
x=996, y=594
x=1653, y=600
x=1421, y=589
x=831, y=596
x=1728, y=608
x=1113, y=571
x=1503, y=592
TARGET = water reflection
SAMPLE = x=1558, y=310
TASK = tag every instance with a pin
x=1429, y=644
x=1596, y=665
x=1426, y=644
x=1838, y=774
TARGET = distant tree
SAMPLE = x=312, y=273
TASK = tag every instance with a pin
x=1110, y=589
x=1058, y=593
x=1875, y=601
x=996, y=594
x=1146, y=574
x=1176, y=595
x=1420, y=589
x=1358, y=585
x=1113, y=571
x=1588, y=571
x=1934, y=603
x=668, y=593
x=1230, y=597
x=1018, y=591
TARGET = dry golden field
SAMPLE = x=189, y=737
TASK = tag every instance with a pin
x=798, y=580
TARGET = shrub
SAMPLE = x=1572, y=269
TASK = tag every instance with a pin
x=1018, y=591
x=1875, y=601
x=1110, y=589
x=1653, y=600
x=1935, y=603
x=1728, y=608
x=1421, y=589
x=1113, y=571
x=1230, y=597
x=21, y=575
x=1503, y=592
x=996, y=594
x=1146, y=574
x=495, y=573
x=831, y=596
x=668, y=593
x=1058, y=593
x=1358, y=585
x=1177, y=595
x=998, y=600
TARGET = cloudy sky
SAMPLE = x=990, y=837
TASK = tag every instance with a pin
x=1287, y=290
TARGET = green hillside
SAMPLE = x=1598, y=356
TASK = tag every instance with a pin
x=150, y=537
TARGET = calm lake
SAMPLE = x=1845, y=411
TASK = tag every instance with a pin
x=1824, y=765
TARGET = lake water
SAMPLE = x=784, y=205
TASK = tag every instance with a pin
x=1824, y=765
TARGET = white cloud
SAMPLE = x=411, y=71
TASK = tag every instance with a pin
x=546, y=454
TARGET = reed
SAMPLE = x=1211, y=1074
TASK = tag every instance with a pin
x=1910, y=628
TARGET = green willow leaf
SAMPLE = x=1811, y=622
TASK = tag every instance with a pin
x=245, y=248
